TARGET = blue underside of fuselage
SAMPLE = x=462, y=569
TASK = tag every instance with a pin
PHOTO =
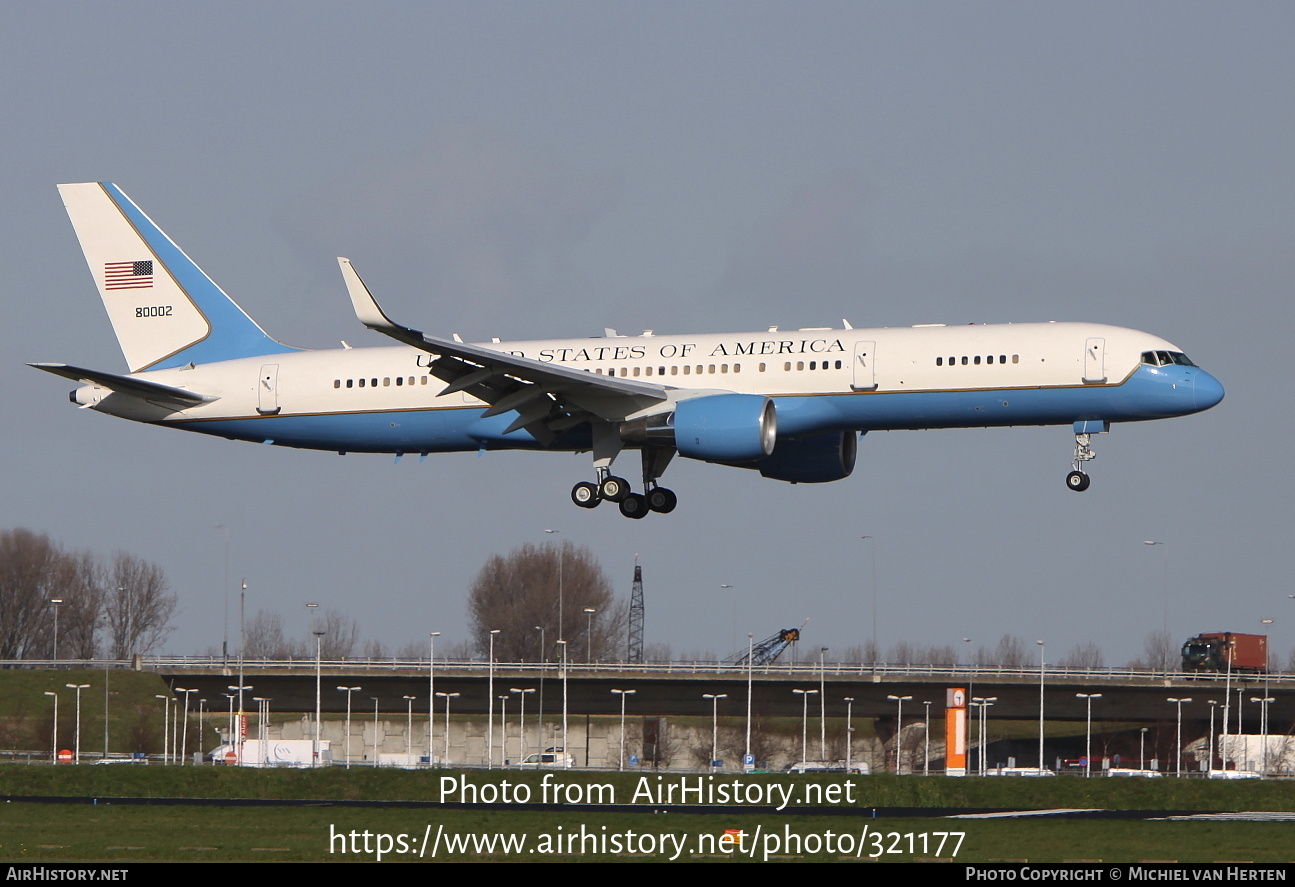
x=1149, y=393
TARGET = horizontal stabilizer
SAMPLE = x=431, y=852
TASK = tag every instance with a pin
x=154, y=392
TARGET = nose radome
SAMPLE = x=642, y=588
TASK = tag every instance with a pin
x=1208, y=390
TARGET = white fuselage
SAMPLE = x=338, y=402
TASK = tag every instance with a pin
x=928, y=376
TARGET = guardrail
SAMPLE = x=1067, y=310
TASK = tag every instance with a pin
x=965, y=673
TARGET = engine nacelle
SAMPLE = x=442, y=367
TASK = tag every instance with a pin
x=812, y=460
x=729, y=428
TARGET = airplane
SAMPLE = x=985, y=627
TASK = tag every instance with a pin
x=789, y=404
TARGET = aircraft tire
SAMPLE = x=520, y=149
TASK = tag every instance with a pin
x=585, y=494
x=661, y=500
x=634, y=506
x=1078, y=481
x=614, y=489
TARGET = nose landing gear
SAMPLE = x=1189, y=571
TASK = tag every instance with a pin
x=1077, y=479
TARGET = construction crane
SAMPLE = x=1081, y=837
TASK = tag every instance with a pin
x=769, y=649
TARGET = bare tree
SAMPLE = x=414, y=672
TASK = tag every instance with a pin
x=30, y=570
x=340, y=635
x=263, y=637
x=1009, y=652
x=83, y=598
x=663, y=653
x=138, y=606
x=1159, y=653
x=527, y=588
x=412, y=650
x=1085, y=655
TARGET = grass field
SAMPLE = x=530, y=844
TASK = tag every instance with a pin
x=107, y=831
x=100, y=829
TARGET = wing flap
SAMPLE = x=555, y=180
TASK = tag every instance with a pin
x=509, y=382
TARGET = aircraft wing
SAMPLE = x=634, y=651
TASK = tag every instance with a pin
x=154, y=392
x=549, y=398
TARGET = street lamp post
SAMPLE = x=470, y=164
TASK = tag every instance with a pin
x=539, y=711
x=1179, y=703
x=983, y=703
x=1088, y=732
x=229, y=729
x=1263, y=728
x=589, y=633
x=184, y=728
x=409, y=727
x=565, y=750
x=750, y=654
x=262, y=715
x=1227, y=707
x=166, y=724
x=849, y=730
x=239, y=690
x=521, y=721
x=714, y=725
x=319, y=646
x=54, y=652
x=561, y=555
x=804, y=721
x=53, y=745
x=622, y=694
x=348, y=691
x=431, y=691
x=899, y=729
x=1040, y=643
x=822, y=704
x=490, y=705
x=448, y=696
x=503, y=729
x=78, y=688
x=926, y=754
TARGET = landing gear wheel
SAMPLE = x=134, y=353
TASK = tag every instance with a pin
x=585, y=494
x=614, y=489
x=1078, y=481
x=634, y=506
x=661, y=500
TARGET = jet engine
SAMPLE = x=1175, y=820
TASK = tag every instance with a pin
x=812, y=460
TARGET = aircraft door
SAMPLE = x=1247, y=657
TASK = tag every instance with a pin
x=865, y=371
x=267, y=390
x=1095, y=360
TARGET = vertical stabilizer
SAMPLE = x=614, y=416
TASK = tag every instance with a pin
x=165, y=311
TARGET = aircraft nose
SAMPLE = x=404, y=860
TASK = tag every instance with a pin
x=1208, y=390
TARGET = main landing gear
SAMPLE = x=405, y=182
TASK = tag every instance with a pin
x=617, y=489
x=1077, y=479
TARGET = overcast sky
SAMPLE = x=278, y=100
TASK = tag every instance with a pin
x=529, y=170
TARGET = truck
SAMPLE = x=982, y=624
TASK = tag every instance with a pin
x=290, y=753
x=1213, y=650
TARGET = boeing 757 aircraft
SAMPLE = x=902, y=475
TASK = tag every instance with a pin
x=789, y=404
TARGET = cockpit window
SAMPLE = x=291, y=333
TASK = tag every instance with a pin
x=1166, y=358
